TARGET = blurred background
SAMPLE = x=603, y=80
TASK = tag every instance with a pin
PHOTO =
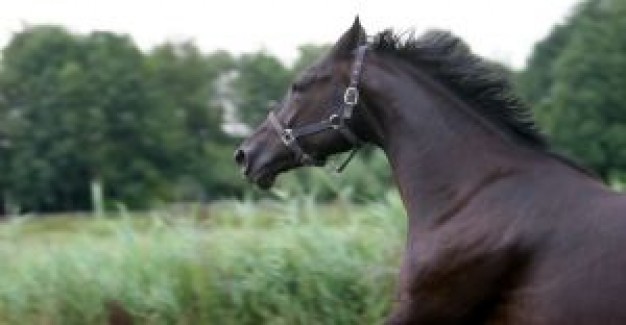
x=119, y=197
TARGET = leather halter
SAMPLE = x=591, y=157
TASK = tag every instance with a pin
x=336, y=121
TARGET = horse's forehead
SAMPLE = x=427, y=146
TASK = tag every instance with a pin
x=315, y=72
x=321, y=67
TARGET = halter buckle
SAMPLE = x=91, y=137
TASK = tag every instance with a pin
x=288, y=137
x=335, y=121
x=351, y=96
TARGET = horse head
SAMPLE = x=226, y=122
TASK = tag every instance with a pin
x=314, y=120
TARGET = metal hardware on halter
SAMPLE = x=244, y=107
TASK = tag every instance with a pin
x=336, y=121
x=288, y=137
x=351, y=96
x=350, y=99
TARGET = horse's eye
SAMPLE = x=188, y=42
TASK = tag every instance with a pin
x=297, y=87
x=301, y=84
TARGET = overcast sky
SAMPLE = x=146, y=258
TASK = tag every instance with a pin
x=504, y=30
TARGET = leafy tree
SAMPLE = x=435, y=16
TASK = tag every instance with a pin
x=4, y=154
x=183, y=80
x=86, y=116
x=535, y=82
x=262, y=79
x=574, y=80
x=27, y=75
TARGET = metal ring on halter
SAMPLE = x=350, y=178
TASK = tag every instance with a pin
x=351, y=96
x=335, y=121
x=288, y=137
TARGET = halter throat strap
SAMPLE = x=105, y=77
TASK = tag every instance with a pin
x=336, y=121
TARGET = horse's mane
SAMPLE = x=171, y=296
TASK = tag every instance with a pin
x=483, y=84
x=449, y=60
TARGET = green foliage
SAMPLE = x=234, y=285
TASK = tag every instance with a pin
x=78, y=109
x=262, y=80
x=309, y=54
x=575, y=81
x=534, y=83
x=268, y=263
x=5, y=148
x=183, y=81
x=82, y=116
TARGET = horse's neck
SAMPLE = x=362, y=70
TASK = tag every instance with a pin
x=436, y=182
x=440, y=153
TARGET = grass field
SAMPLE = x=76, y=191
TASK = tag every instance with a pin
x=288, y=262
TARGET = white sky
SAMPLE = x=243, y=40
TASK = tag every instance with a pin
x=504, y=30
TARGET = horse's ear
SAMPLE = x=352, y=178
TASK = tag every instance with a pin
x=350, y=40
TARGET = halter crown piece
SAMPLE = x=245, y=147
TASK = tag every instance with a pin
x=336, y=121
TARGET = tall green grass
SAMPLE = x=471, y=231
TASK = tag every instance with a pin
x=290, y=262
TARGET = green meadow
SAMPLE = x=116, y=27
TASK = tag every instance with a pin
x=234, y=262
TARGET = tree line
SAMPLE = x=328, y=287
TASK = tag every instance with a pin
x=78, y=111
x=82, y=109
x=576, y=82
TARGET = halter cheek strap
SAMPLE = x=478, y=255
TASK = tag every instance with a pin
x=336, y=121
x=290, y=140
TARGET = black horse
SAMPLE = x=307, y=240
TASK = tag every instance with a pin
x=501, y=230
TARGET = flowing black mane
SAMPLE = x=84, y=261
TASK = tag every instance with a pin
x=449, y=60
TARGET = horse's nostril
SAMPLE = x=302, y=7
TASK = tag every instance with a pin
x=240, y=156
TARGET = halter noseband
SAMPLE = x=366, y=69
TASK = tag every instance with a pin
x=336, y=121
